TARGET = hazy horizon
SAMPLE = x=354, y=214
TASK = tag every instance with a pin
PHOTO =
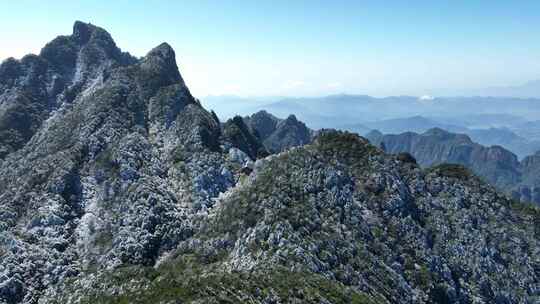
x=309, y=48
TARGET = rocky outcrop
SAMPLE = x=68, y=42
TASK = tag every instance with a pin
x=289, y=133
x=497, y=165
x=262, y=123
x=240, y=136
x=32, y=89
x=340, y=215
x=118, y=158
x=279, y=135
x=528, y=189
x=437, y=146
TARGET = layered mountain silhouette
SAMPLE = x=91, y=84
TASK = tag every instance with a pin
x=506, y=138
x=117, y=186
x=413, y=124
x=480, y=128
x=340, y=111
x=495, y=164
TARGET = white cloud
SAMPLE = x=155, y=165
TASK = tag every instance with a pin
x=426, y=98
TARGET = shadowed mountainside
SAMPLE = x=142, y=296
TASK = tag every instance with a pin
x=495, y=164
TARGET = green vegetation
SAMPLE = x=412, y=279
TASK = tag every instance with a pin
x=452, y=171
x=19, y=122
x=406, y=158
x=236, y=131
x=104, y=239
x=178, y=154
x=105, y=161
x=528, y=210
x=348, y=146
x=186, y=280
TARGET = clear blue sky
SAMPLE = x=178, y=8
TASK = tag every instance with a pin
x=306, y=47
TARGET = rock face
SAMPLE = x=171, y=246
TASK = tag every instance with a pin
x=32, y=88
x=105, y=156
x=518, y=145
x=279, y=135
x=128, y=191
x=237, y=132
x=340, y=215
x=497, y=165
x=263, y=123
x=529, y=186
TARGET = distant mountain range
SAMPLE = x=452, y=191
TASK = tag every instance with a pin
x=519, y=145
x=334, y=110
x=501, y=136
x=480, y=151
x=497, y=165
x=413, y=124
x=506, y=121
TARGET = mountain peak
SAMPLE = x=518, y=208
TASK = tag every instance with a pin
x=163, y=51
x=442, y=134
x=264, y=115
x=82, y=32
x=292, y=118
x=437, y=132
x=162, y=60
x=89, y=42
x=85, y=33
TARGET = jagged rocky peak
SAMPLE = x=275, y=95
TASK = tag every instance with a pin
x=292, y=124
x=164, y=52
x=104, y=159
x=62, y=53
x=289, y=133
x=263, y=123
x=162, y=60
x=442, y=134
x=239, y=135
x=278, y=134
x=87, y=45
x=291, y=119
x=77, y=66
x=84, y=32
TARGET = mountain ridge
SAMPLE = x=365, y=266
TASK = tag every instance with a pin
x=131, y=191
x=499, y=166
x=277, y=134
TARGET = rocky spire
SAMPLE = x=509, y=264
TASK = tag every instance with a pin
x=159, y=69
x=162, y=60
x=82, y=32
x=63, y=51
x=263, y=123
